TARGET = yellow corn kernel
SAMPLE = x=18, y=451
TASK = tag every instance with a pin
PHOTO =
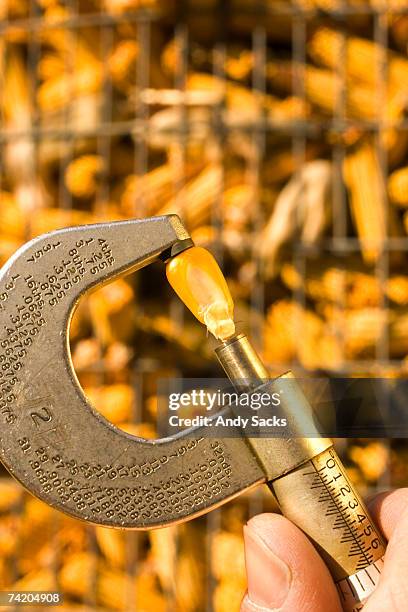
x=198, y=281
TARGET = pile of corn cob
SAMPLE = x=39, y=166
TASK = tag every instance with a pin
x=289, y=161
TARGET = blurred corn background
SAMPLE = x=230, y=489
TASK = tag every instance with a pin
x=278, y=130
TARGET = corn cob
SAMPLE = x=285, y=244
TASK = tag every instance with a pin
x=398, y=333
x=242, y=19
x=391, y=5
x=351, y=288
x=37, y=580
x=393, y=140
x=329, y=5
x=12, y=222
x=8, y=246
x=77, y=574
x=163, y=552
x=302, y=205
x=82, y=175
x=122, y=6
x=171, y=57
x=119, y=591
x=35, y=555
x=9, y=535
x=13, y=9
x=10, y=495
x=372, y=459
x=71, y=537
x=83, y=74
x=117, y=357
x=227, y=556
x=241, y=102
x=363, y=329
x=55, y=36
x=323, y=89
x=50, y=66
x=190, y=568
x=362, y=60
x=115, y=296
x=238, y=64
x=19, y=155
x=373, y=219
x=236, y=206
x=114, y=402
x=112, y=545
x=281, y=164
x=196, y=201
x=362, y=57
x=141, y=430
x=396, y=290
x=86, y=354
x=398, y=186
x=103, y=305
x=122, y=63
x=399, y=29
x=320, y=348
x=186, y=336
x=153, y=190
x=228, y=595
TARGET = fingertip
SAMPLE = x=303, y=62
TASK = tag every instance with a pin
x=387, y=508
x=284, y=570
x=269, y=524
x=249, y=606
x=260, y=537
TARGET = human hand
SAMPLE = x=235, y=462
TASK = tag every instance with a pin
x=286, y=574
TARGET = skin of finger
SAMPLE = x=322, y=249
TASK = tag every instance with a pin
x=312, y=588
x=391, y=512
x=387, y=508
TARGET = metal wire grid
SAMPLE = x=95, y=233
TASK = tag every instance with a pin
x=298, y=131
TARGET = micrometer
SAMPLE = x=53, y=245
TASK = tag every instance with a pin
x=67, y=454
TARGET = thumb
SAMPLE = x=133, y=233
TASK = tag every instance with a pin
x=284, y=571
x=391, y=511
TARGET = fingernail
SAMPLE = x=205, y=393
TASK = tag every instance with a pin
x=269, y=577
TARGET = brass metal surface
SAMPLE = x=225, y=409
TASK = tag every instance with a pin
x=241, y=363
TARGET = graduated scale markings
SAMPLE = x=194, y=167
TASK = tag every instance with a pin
x=341, y=503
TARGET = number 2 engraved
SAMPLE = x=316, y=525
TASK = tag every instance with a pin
x=43, y=415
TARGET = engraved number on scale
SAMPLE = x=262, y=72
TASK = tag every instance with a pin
x=351, y=524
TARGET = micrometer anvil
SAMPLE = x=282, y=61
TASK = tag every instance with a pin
x=64, y=452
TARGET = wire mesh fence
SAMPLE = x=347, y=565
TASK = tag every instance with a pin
x=278, y=131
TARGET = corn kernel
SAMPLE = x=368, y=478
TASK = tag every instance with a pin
x=198, y=281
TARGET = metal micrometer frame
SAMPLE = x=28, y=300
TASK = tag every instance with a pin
x=63, y=451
